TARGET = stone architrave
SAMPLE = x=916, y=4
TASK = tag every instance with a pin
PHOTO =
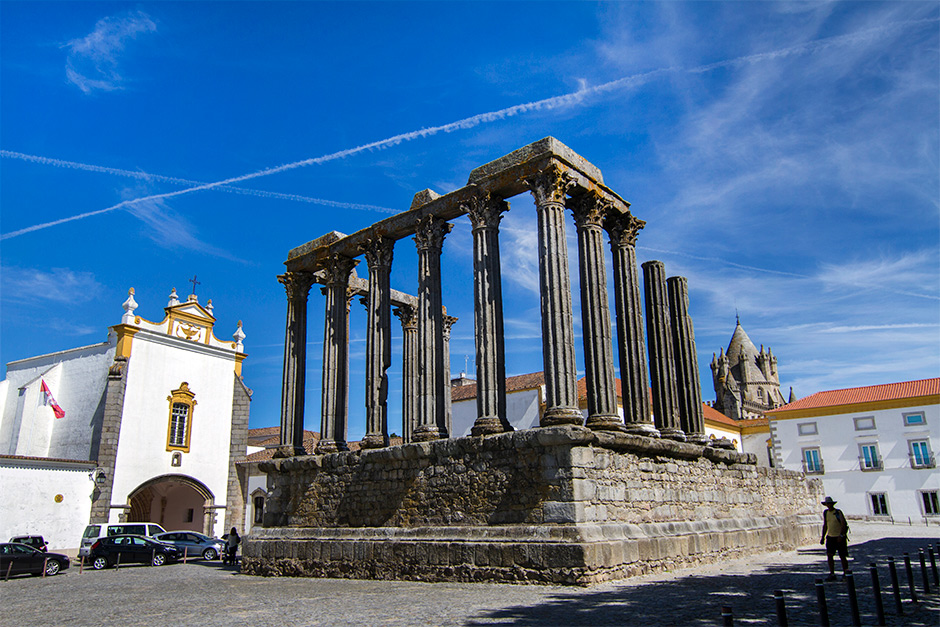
x=662, y=368
x=631, y=345
x=429, y=238
x=449, y=322
x=549, y=188
x=485, y=212
x=409, y=396
x=589, y=210
x=297, y=285
x=689, y=392
x=378, y=254
x=335, y=392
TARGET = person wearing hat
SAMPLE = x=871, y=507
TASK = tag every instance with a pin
x=835, y=536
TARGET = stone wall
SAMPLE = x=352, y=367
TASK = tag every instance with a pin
x=550, y=505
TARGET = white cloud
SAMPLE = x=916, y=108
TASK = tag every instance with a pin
x=59, y=285
x=92, y=62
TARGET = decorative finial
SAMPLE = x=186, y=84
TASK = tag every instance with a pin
x=239, y=336
x=174, y=299
x=129, y=306
x=209, y=306
x=131, y=291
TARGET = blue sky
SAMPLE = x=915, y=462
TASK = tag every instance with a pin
x=784, y=156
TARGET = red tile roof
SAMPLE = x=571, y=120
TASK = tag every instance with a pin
x=867, y=394
x=716, y=416
x=513, y=384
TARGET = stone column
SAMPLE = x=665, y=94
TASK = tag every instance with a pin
x=448, y=422
x=549, y=187
x=659, y=336
x=589, y=210
x=335, y=392
x=631, y=344
x=378, y=253
x=409, y=370
x=297, y=285
x=691, y=414
x=429, y=238
x=485, y=212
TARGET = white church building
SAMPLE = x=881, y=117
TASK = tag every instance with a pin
x=145, y=426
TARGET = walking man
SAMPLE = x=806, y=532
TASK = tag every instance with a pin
x=835, y=536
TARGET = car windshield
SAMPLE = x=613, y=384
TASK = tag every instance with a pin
x=91, y=531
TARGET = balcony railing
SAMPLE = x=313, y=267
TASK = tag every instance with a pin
x=923, y=461
x=870, y=464
x=817, y=468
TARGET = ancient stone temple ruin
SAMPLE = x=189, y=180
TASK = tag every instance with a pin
x=577, y=500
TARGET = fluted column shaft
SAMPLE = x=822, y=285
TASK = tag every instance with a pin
x=659, y=336
x=549, y=187
x=449, y=322
x=335, y=390
x=378, y=254
x=429, y=238
x=485, y=213
x=297, y=285
x=631, y=344
x=409, y=394
x=589, y=210
x=688, y=386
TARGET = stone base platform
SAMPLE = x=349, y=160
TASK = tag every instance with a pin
x=556, y=505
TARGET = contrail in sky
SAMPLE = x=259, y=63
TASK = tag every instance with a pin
x=546, y=104
x=146, y=176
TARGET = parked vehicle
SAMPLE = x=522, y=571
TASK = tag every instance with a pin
x=192, y=544
x=93, y=532
x=37, y=542
x=129, y=549
x=17, y=559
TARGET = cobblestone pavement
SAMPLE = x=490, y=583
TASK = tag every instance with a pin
x=209, y=594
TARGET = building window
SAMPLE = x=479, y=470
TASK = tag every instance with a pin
x=189, y=515
x=921, y=455
x=259, y=510
x=868, y=458
x=770, y=454
x=879, y=504
x=812, y=461
x=807, y=428
x=914, y=418
x=931, y=504
x=865, y=424
x=182, y=401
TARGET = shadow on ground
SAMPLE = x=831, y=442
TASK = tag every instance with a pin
x=698, y=599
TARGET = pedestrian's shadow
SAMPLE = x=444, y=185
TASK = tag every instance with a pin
x=698, y=599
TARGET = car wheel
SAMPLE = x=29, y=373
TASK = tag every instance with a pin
x=99, y=563
x=52, y=568
x=159, y=559
x=210, y=554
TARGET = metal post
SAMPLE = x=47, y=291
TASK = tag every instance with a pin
x=185, y=553
x=8, y=570
x=45, y=563
x=853, y=599
x=81, y=564
x=781, y=609
x=727, y=617
x=117, y=564
x=933, y=565
x=876, y=590
x=895, y=586
x=821, y=600
x=910, y=577
x=923, y=572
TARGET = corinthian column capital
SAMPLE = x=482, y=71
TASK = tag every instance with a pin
x=448, y=323
x=623, y=228
x=337, y=269
x=589, y=209
x=408, y=317
x=378, y=252
x=430, y=232
x=550, y=185
x=296, y=284
x=485, y=211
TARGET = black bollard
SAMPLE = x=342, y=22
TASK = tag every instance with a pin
x=910, y=577
x=821, y=599
x=781, y=609
x=895, y=586
x=727, y=618
x=853, y=599
x=876, y=590
x=933, y=565
x=923, y=572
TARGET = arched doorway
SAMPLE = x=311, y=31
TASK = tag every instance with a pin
x=174, y=502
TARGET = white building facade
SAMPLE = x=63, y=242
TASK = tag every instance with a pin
x=154, y=420
x=873, y=447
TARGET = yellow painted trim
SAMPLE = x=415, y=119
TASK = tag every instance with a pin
x=239, y=358
x=195, y=321
x=756, y=429
x=184, y=396
x=125, y=337
x=855, y=408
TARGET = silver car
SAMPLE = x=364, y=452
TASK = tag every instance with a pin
x=192, y=544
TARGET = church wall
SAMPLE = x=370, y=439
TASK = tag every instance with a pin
x=522, y=407
x=158, y=366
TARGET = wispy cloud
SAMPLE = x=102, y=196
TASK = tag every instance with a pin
x=59, y=285
x=92, y=62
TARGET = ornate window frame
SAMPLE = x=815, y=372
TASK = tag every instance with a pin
x=180, y=396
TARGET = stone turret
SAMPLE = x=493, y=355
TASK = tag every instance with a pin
x=745, y=378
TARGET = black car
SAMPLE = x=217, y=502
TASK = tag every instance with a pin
x=17, y=559
x=37, y=542
x=131, y=549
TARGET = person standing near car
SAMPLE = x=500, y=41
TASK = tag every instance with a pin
x=231, y=545
x=835, y=533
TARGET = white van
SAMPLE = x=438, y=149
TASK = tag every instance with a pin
x=93, y=532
